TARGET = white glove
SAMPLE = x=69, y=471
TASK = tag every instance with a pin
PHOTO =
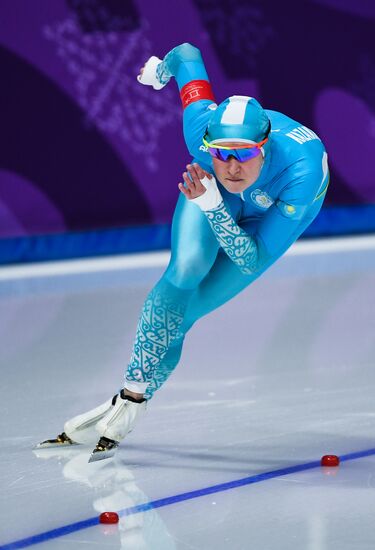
x=212, y=198
x=149, y=76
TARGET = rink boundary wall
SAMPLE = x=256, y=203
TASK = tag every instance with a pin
x=161, y=259
x=332, y=221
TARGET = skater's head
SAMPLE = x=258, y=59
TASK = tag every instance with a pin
x=237, y=139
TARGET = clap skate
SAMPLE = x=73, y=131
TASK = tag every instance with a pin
x=61, y=440
x=79, y=430
x=116, y=424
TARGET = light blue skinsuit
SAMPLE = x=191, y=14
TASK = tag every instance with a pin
x=217, y=254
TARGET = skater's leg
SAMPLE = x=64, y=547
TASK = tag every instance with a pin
x=203, y=300
x=165, y=368
x=194, y=250
x=158, y=326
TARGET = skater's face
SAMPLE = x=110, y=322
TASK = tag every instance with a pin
x=237, y=176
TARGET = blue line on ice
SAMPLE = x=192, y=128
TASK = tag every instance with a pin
x=78, y=526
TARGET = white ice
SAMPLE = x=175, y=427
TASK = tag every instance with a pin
x=279, y=376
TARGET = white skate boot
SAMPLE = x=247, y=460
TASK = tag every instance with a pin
x=116, y=424
x=80, y=429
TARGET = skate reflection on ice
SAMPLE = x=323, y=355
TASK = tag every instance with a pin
x=115, y=489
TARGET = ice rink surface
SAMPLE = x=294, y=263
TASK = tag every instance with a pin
x=279, y=376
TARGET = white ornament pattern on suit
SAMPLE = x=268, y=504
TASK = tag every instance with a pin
x=236, y=243
x=158, y=326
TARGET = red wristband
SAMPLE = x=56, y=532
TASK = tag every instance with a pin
x=194, y=91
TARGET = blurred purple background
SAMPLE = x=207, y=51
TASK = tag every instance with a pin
x=84, y=146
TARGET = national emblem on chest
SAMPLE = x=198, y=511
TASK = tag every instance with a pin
x=261, y=199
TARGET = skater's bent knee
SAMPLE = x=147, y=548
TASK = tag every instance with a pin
x=187, y=274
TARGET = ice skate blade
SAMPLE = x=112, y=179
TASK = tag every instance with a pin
x=61, y=441
x=102, y=455
x=50, y=445
x=105, y=448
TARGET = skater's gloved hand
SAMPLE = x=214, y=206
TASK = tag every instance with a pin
x=148, y=74
x=200, y=188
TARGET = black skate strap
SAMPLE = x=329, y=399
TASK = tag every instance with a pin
x=130, y=398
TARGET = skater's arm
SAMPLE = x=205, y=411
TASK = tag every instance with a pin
x=186, y=65
x=240, y=247
x=277, y=231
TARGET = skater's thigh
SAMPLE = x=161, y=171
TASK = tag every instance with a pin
x=194, y=246
x=223, y=282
